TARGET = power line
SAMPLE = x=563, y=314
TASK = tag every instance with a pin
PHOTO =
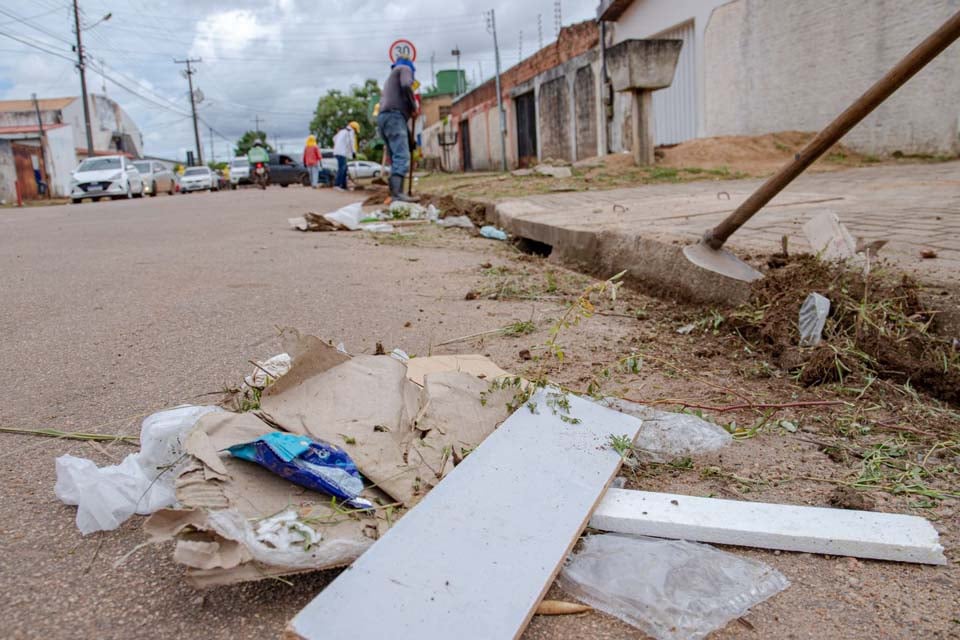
x=35, y=46
x=34, y=17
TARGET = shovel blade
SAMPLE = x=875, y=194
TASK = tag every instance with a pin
x=720, y=261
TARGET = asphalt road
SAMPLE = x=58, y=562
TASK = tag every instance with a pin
x=116, y=309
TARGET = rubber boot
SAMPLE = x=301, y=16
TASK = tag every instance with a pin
x=396, y=190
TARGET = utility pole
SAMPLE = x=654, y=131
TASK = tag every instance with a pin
x=43, y=157
x=433, y=68
x=213, y=154
x=492, y=27
x=81, y=65
x=540, y=31
x=520, y=47
x=193, y=104
x=256, y=124
x=456, y=52
x=557, y=16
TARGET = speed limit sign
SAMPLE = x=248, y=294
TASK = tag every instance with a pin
x=403, y=49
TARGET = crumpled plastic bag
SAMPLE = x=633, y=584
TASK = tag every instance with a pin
x=348, y=216
x=493, y=233
x=456, y=221
x=143, y=483
x=813, y=317
x=276, y=366
x=665, y=435
x=669, y=589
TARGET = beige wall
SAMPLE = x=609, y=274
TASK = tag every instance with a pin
x=775, y=65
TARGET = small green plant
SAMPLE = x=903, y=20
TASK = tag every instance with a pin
x=622, y=444
x=520, y=328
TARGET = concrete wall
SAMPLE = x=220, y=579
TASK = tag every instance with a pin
x=8, y=173
x=106, y=118
x=559, y=61
x=651, y=18
x=585, y=99
x=774, y=65
x=553, y=119
x=60, y=159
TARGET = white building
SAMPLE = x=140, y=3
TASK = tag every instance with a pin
x=64, y=142
x=750, y=67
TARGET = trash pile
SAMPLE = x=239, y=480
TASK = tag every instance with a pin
x=398, y=215
x=318, y=454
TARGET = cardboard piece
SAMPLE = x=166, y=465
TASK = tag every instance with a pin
x=402, y=459
x=477, y=555
x=409, y=439
x=474, y=364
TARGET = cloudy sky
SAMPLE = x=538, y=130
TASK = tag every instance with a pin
x=271, y=59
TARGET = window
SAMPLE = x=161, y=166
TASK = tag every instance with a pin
x=240, y=162
x=444, y=111
x=196, y=171
x=142, y=167
x=100, y=164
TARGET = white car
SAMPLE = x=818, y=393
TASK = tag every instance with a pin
x=199, y=179
x=105, y=177
x=328, y=161
x=157, y=177
x=364, y=169
x=239, y=171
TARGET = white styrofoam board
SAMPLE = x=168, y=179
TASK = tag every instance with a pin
x=476, y=556
x=861, y=534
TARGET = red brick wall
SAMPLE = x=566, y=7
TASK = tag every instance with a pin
x=573, y=41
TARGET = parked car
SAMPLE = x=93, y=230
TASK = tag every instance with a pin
x=284, y=171
x=105, y=176
x=198, y=179
x=329, y=161
x=156, y=177
x=239, y=172
x=364, y=169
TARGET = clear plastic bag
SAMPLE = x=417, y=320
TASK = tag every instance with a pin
x=665, y=436
x=813, y=317
x=348, y=216
x=669, y=589
x=143, y=483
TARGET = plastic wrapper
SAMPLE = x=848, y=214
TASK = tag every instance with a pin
x=669, y=589
x=665, y=435
x=143, y=483
x=348, y=216
x=493, y=233
x=813, y=317
x=456, y=221
x=314, y=465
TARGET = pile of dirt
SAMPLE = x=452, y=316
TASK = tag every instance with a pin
x=754, y=155
x=878, y=327
x=453, y=206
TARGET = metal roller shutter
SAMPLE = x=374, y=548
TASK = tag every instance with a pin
x=675, y=108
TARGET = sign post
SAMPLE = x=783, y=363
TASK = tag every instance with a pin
x=403, y=48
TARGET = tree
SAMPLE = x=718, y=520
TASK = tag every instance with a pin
x=336, y=109
x=246, y=142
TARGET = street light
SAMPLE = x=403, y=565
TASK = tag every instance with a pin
x=103, y=19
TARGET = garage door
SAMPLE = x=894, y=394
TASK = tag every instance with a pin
x=675, y=108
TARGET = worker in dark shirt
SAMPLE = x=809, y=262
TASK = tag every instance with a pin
x=397, y=106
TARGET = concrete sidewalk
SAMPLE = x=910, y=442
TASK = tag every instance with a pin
x=913, y=206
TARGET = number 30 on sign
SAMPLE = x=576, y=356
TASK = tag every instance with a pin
x=403, y=49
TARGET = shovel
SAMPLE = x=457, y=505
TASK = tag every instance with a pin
x=709, y=252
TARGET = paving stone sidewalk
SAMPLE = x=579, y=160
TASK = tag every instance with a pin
x=915, y=207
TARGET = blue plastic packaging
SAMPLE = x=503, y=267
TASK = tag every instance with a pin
x=314, y=465
x=493, y=233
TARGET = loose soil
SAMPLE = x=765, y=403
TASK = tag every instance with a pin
x=877, y=328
